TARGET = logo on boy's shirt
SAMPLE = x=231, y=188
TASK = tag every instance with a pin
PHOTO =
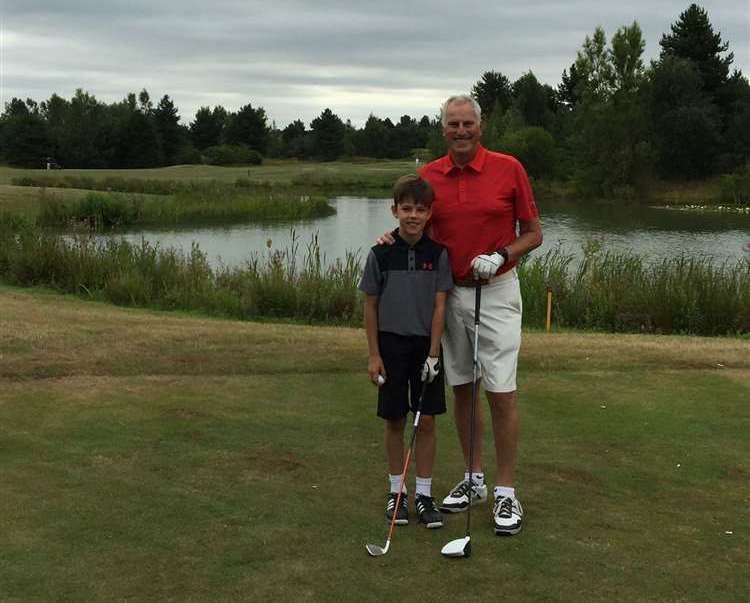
x=426, y=265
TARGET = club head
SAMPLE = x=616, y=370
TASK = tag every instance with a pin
x=461, y=547
x=376, y=551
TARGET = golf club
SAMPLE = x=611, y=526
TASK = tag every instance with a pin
x=461, y=547
x=374, y=549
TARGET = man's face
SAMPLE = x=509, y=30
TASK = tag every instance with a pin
x=461, y=130
x=412, y=217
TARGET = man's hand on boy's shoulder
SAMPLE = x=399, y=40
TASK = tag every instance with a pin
x=386, y=239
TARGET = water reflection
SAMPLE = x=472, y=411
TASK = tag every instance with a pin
x=652, y=233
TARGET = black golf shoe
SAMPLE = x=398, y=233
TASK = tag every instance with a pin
x=427, y=511
x=402, y=515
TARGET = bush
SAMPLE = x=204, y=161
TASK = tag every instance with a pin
x=534, y=147
x=229, y=154
x=735, y=188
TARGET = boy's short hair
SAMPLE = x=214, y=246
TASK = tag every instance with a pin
x=415, y=188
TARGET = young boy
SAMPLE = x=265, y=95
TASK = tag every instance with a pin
x=406, y=285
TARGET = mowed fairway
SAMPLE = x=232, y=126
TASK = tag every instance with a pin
x=156, y=456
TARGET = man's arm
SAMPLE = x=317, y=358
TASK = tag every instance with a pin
x=375, y=365
x=529, y=238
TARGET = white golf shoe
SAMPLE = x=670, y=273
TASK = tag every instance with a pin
x=458, y=499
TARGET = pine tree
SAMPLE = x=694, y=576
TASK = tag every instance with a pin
x=693, y=38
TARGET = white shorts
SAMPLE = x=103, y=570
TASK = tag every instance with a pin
x=499, y=334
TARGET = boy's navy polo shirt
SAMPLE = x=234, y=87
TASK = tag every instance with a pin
x=406, y=279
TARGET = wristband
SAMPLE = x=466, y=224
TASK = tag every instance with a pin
x=503, y=252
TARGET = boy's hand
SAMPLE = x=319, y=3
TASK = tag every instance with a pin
x=430, y=369
x=486, y=266
x=375, y=369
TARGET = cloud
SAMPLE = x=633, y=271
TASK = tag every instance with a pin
x=296, y=58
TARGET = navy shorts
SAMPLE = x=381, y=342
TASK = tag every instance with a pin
x=403, y=357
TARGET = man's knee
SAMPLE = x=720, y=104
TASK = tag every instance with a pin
x=502, y=401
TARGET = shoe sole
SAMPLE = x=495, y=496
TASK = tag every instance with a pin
x=507, y=531
x=474, y=501
x=399, y=522
x=433, y=525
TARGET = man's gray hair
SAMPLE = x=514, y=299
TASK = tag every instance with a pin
x=461, y=99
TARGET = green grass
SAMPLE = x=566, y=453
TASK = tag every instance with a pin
x=273, y=172
x=153, y=456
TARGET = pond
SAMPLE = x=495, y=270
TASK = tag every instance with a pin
x=654, y=233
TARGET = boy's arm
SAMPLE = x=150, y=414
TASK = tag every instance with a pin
x=375, y=362
x=438, y=323
x=431, y=366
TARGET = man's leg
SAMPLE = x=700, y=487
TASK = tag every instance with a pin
x=505, y=428
x=507, y=511
x=462, y=414
x=458, y=499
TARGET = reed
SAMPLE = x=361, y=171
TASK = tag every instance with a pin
x=604, y=291
x=200, y=206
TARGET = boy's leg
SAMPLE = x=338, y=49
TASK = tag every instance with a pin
x=433, y=404
x=394, y=445
x=394, y=448
x=424, y=448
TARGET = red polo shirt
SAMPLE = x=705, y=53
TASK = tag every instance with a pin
x=476, y=208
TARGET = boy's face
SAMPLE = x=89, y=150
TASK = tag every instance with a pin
x=411, y=217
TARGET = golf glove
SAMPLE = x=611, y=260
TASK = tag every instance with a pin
x=486, y=266
x=430, y=369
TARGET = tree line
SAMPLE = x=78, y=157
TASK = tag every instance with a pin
x=611, y=124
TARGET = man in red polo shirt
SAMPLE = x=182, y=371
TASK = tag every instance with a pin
x=484, y=213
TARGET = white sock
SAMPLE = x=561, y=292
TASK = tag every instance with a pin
x=504, y=491
x=395, y=482
x=424, y=486
x=477, y=478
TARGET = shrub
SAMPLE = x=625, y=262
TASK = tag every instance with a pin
x=227, y=154
x=534, y=147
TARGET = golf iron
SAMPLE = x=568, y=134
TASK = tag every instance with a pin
x=461, y=547
x=373, y=549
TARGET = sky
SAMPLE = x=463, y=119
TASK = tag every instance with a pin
x=295, y=58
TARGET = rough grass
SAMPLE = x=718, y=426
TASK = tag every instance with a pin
x=274, y=172
x=156, y=456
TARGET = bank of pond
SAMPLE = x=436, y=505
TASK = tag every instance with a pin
x=603, y=290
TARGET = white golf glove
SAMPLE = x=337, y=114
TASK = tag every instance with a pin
x=485, y=266
x=430, y=369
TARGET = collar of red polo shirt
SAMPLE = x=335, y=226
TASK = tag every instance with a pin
x=447, y=164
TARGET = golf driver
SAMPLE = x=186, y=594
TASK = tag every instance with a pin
x=374, y=549
x=461, y=547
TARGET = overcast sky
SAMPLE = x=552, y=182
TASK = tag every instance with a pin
x=296, y=58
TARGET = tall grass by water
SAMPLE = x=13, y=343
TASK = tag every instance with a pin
x=606, y=291
x=219, y=204
x=620, y=292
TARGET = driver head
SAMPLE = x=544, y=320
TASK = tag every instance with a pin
x=461, y=547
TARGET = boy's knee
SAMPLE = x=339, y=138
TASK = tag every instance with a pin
x=395, y=425
x=426, y=424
